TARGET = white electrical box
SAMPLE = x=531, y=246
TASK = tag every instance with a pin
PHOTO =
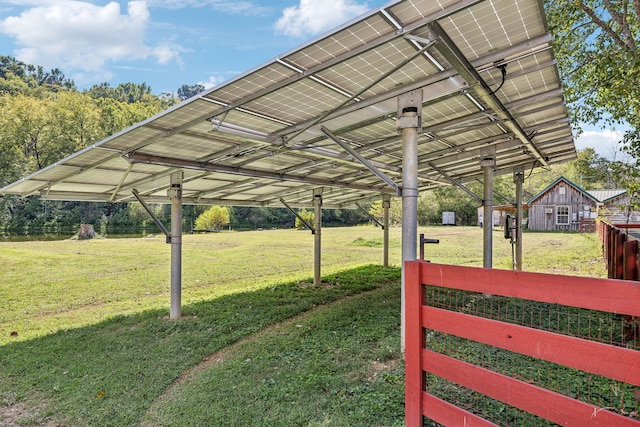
x=448, y=218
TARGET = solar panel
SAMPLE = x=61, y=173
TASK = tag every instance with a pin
x=259, y=137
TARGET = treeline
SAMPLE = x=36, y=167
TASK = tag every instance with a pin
x=44, y=118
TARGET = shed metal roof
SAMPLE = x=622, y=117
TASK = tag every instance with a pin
x=259, y=137
x=598, y=196
x=605, y=196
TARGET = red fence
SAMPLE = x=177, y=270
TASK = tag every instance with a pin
x=620, y=248
x=486, y=345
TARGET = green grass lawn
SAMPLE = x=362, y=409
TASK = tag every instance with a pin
x=258, y=345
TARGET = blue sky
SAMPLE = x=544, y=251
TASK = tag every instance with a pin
x=168, y=43
x=164, y=43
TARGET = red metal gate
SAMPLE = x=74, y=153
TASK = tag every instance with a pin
x=497, y=347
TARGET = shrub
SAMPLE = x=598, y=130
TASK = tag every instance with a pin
x=213, y=219
x=307, y=216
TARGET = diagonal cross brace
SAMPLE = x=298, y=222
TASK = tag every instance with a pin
x=304, y=221
x=152, y=215
x=456, y=183
x=362, y=160
x=373, y=218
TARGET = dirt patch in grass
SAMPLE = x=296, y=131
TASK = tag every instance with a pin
x=20, y=414
x=387, y=365
x=324, y=285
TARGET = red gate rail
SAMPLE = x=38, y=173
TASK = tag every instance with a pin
x=616, y=362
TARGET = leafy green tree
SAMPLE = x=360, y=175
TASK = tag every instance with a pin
x=213, y=219
x=124, y=92
x=31, y=77
x=454, y=199
x=117, y=115
x=307, y=215
x=596, y=45
x=75, y=122
x=428, y=208
x=25, y=122
x=395, y=211
x=12, y=84
x=591, y=171
x=344, y=217
x=186, y=91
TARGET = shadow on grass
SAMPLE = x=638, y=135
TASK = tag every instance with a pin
x=109, y=374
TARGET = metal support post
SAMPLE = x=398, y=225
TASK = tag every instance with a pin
x=488, y=163
x=175, y=194
x=317, y=247
x=386, y=204
x=518, y=179
x=423, y=241
x=409, y=123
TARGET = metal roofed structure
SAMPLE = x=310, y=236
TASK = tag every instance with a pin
x=456, y=89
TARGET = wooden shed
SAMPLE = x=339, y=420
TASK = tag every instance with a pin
x=563, y=205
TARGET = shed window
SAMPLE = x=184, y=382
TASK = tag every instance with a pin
x=562, y=215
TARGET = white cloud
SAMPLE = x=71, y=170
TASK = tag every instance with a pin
x=233, y=7
x=83, y=36
x=216, y=79
x=314, y=16
x=606, y=142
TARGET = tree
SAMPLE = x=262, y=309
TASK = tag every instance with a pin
x=25, y=123
x=591, y=171
x=75, y=122
x=596, y=44
x=185, y=91
x=32, y=77
x=213, y=219
x=305, y=214
x=117, y=115
x=395, y=211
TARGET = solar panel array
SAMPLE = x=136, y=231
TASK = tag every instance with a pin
x=489, y=82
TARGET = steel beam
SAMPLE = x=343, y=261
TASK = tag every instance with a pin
x=297, y=215
x=446, y=81
x=458, y=61
x=487, y=164
x=175, y=194
x=256, y=173
x=518, y=179
x=366, y=163
x=152, y=215
x=317, y=246
x=408, y=123
x=371, y=217
x=455, y=182
x=386, y=204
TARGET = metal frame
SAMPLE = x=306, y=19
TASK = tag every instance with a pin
x=262, y=136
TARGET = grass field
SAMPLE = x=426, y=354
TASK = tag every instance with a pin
x=85, y=339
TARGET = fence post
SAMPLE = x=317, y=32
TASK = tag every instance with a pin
x=611, y=244
x=605, y=241
x=619, y=255
x=631, y=260
x=414, y=342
